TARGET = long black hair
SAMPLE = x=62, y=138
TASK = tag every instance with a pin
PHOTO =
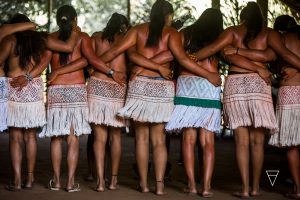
x=30, y=44
x=65, y=17
x=114, y=26
x=159, y=11
x=286, y=23
x=253, y=19
x=204, y=31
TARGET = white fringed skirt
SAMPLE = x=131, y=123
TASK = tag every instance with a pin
x=288, y=117
x=3, y=103
x=26, y=107
x=248, y=102
x=105, y=99
x=67, y=107
x=149, y=100
x=197, y=105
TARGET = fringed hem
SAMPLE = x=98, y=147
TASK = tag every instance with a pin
x=144, y=111
x=289, y=126
x=26, y=115
x=3, y=116
x=254, y=112
x=60, y=121
x=194, y=117
x=105, y=112
x=149, y=100
x=248, y=102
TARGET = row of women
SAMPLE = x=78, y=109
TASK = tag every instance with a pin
x=149, y=99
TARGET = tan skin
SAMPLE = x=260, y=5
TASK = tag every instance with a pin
x=248, y=135
x=19, y=135
x=55, y=45
x=62, y=75
x=292, y=42
x=101, y=132
x=170, y=40
x=291, y=78
x=206, y=140
x=190, y=135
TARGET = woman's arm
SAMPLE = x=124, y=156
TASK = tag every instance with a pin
x=37, y=70
x=244, y=63
x=276, y=43
x=128, y=41
x=266, y=55
x=8, y=29
x=175, y=45
x=76, y=65
x=64, y=46
x=154, y=63
x=89, y=54
x=224, y=39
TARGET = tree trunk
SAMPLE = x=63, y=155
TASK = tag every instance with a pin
x=215, y=4
x=128, y=11
x=264, y=9
x=50, y=7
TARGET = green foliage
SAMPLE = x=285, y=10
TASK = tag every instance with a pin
x=140, y=10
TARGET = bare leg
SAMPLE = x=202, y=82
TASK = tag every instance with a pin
x=257, y=138
x=294, y=165
x=188, y=150
x=15, y=147
x=31, y=149
x=207, y=141
x=100, y=138
x=241, y=136
x=72, y=158
x=142, y=153
x=115, y=154
x=56, y=156
x=90, y=157
x=158, y=140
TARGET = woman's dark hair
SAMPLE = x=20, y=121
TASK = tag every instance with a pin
x=204, y=31
x=65, y=17
x=113, y=26
x=253, y=19
x=30, y=45
x=159, y=11
x=284, y=22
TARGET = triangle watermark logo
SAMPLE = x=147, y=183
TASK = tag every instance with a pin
x=272, y=175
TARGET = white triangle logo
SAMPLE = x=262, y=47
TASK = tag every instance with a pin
x=272, y=175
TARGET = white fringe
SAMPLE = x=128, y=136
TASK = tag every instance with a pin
x=253, y=111
x=146, y=111
x=3, y=115
x=26, y=115
x=3, y=103
x=194, y=117
x=149, y=100
x=289, y=128
x=105, y=112
x=60, y=120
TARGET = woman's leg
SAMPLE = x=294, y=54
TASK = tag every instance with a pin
x=115, y=154
x=158, y=140
x=207, y=141
x=15, y=148
x=56, y=156
x=257, y=139
x=294, y=165
x=242, y=140
x=31, y=150
x=100, y=138
x=142, y=153
x=188, y=150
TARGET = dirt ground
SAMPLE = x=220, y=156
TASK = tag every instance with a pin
x=225, y=181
